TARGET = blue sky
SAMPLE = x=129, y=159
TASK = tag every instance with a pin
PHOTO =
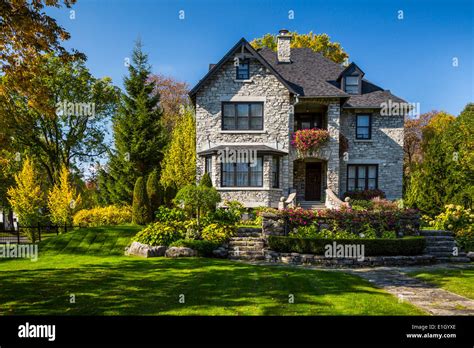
x=413, y=56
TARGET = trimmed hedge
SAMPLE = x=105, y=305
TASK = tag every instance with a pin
x=372, y=247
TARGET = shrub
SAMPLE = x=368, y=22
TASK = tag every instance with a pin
x=360, y=204
x=103, y=216
x=198, y=199
x=381, y=204
x=459, y=220
x=364, y=194
x=372, y=247
x=203, y=247
x=299, y=216
x=161, y=233
x=164, y=214
x=140, y=208
x=206, y=180
x=218, y=233
x=154, y=191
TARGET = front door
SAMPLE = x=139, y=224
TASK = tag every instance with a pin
x=313, y=182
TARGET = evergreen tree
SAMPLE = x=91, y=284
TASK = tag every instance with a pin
x=206, y=180
x=154, y=191
x=138, y=131
x=140, y=208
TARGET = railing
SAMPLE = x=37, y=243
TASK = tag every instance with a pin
x=19, y=235
x=333, y=202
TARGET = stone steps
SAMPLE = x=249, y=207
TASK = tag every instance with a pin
x=249, y=232
x=313, y=205
x=441, y=245
x=248, y=245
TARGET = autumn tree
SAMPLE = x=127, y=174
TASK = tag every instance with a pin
x=317, y=42
x=179, y=164
x=26, y=197
x=173, y=97
x=71, y=128
x=27, y=33
x=63, y=201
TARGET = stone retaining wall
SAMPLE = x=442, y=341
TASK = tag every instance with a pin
x=369, y=261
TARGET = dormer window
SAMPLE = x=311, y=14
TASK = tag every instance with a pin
x=242, y=70
x=351, y=84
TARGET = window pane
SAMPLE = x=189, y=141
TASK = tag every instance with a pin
x=361, y=184
x=208, y=168
x=242, y=174
x=229, y=110
x=361, y=171
x=229, y=123
x=256, y=109
x=372, y=172
x=243, y=70
x=275, y=172
x=227, y=174
x=363, y=133
x=242, y=123
x=352, y=89
x=363, y=120
x=256, y=178
x=351, y=184
x=352, y=172
x=352, y=80
x=372, y=184
x=256, y=123
x=243, y=110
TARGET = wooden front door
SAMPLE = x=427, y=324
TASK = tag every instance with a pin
x=313, y=182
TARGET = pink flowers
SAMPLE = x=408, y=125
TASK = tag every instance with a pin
x=307, y=139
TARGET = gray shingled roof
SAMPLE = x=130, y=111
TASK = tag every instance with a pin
x=313, y=75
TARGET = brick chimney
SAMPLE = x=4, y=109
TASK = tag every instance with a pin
x=283, y=46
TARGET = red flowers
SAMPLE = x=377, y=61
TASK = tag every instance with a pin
x=307, y=139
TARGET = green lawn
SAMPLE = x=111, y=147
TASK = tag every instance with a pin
x=460, y=281
x=89, y=265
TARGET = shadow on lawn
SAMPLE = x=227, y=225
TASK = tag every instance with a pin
x=153, y=287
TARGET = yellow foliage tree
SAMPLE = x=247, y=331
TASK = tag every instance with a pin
x=63, y=201
x=26, y=197
x=179, y=164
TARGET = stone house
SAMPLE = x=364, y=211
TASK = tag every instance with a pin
x=250, y=103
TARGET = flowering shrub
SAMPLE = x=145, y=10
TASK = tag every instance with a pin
x=459, y=220
x=378, y=204
x=161, y=233
x=355, y=222
x=299, y=216
x=103, y=216
x=218, y=233
x=309, y=139
x=365, y=194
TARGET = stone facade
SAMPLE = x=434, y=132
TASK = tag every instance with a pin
x=385, y=148
x=280, y=107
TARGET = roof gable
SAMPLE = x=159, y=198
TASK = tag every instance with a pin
x=241, y=45
x=351, y=69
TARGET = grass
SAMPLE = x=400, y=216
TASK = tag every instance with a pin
x=90, y=265
x=459, y=281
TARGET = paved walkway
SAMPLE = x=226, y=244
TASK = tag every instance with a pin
x=433, y=300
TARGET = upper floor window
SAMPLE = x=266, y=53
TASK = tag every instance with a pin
x=242, y=116
x=242, y=70
x=351, y=84
x=363, y=127
x=309, y=121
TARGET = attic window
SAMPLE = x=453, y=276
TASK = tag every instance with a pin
x=351, y=84
x=242, y=70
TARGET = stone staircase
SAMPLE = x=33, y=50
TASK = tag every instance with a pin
x=247, y=245
x=311, y=205
x=441, y=245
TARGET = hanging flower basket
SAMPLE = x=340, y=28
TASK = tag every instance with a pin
x=306, y=140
